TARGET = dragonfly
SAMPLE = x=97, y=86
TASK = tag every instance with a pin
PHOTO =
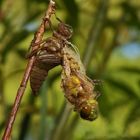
x=77, y=86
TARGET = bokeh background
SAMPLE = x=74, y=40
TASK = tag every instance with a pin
x=107, y=33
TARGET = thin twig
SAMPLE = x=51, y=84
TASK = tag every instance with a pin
x=37, y=38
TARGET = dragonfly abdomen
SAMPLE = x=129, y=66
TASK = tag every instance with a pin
x=43, y=63
x=38, y=75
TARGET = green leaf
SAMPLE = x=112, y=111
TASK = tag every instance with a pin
x=134, y=115
x=25, y=122
x=139, y=83
x=131, y=70
x=104, y=105
x=14, y=40
x=21, y=52
x=123, y=86
x=53, y=77
x=1, y=1
x=13, y=73
x=73, y=11
x=38, y=1
x=130, y=12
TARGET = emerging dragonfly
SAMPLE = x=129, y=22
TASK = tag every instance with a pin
x=48, y=55
x=78, y=88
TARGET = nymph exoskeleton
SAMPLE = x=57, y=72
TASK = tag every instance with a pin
x=48, y=55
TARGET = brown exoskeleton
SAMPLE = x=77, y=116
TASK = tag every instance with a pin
x=78, y=88
x=48, y=55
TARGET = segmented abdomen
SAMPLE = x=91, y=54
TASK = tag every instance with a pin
x=38, y=75
x=43, y=63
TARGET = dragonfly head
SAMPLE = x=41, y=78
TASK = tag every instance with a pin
x=65, y=30
x=89, y=110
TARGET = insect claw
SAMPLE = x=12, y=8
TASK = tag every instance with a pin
x=98, y=94
x=34, y=52
x=97, y=82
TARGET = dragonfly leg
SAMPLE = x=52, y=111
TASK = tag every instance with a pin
x=97, y=82
x=97, y=94
x=35, y=51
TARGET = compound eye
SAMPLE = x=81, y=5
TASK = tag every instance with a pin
x=65, y=30
x=88, y=113
x=85, y=112
x=93, y=115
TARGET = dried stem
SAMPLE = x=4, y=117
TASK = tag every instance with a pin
x=37, y=38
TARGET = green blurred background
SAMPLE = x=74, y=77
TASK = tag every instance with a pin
x=107, y=33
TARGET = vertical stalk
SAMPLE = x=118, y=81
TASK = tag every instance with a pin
x=25, y=123
x=95, y=32
x=107, y=54
x=43, y=112
x=61, y=121
x=37, y=38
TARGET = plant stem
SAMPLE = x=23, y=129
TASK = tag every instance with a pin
x=95, y=32
x=37, y=38
x=25, y=123
x=102, y=67
x=43, y=111
x=62, y=119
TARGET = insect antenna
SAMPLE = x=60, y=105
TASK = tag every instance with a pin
x=57, y=18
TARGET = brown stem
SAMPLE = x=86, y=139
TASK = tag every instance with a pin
x=37, y=38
